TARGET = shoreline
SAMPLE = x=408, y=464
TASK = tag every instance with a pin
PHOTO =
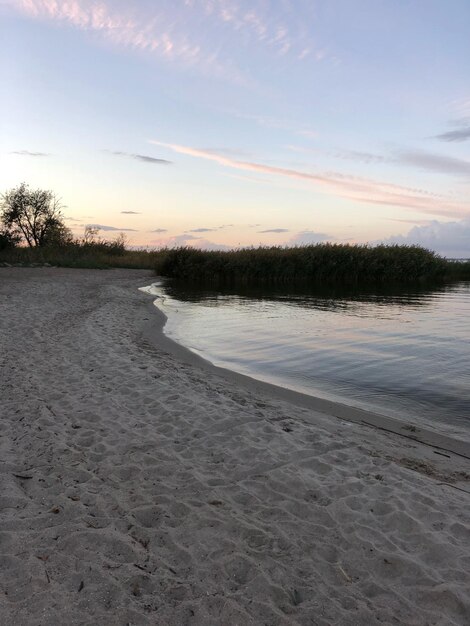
x=155, y=333
x=138, y=488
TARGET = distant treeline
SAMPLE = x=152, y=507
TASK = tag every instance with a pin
x=320, y=264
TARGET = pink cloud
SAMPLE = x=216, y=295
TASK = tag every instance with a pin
x=177, y=31
x=343, y=185
x=155, y=34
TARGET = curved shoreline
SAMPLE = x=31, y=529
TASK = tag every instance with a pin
x=142, y=489
x=154, y=333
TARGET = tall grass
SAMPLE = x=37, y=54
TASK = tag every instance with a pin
x=459, y=270
x=315, y=265
x=321, y=264
x=99, y=255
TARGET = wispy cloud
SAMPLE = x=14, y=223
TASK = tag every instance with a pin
x=284, y=31
x=274, y=230
x=415, y=158
x=93, y=15
x=228, y=152
x=460, y=134
x=192, y=33
x=416, y=222
x=201, y=230
x=435, y=162
x=159, y=230
x=30, y=154
x=143, y=158
x=152, y=30
x=270, y=121
x=110, y=228
x=348, y=155
x=361, y=157
x=346, y=186
x=148, y=159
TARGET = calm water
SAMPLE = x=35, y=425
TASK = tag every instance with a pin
x=405, y=354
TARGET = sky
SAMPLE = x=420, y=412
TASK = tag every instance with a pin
x=220, y=123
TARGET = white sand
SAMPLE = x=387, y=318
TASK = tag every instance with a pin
x=138, y=489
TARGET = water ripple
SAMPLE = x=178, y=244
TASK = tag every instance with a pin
x=404, y=354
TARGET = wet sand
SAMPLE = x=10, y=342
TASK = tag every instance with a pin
x=140, y=485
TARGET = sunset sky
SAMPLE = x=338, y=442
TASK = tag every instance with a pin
x=221, y=123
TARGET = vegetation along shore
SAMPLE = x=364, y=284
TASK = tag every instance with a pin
x=33, y=231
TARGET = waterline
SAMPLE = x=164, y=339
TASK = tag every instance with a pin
x=398, y=354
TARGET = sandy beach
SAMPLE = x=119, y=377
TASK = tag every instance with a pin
x=142, y=487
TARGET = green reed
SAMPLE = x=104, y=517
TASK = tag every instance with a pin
x=325, y=263
x=320, y=264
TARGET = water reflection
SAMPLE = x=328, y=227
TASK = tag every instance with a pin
x=402, y=352
x=331, y=298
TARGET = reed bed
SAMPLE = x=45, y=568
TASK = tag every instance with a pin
x=321, y=264
x=315, y=265
x=459, y=270
x=100, y=255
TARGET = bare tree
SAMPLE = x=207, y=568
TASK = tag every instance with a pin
x=91, y=236
x=33, y=214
